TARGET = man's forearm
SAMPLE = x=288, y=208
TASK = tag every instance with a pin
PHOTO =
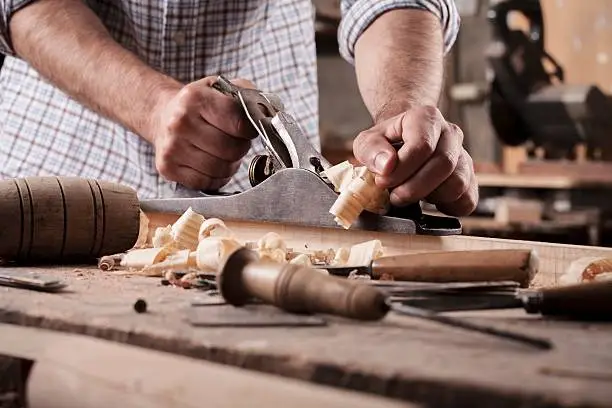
x=399, y=62
x=69, y=46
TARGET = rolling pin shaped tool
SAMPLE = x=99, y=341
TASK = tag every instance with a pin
x=293, y=175
x=451, y=266
x=65, y=219
x=296, y=289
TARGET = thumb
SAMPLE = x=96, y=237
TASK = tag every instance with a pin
x=374, y=150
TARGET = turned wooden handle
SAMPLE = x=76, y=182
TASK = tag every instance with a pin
x=65, y=219
x=297, y=289
x=460, y=266
x=592, y=300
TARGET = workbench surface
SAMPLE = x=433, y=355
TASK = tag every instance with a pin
x=399, y=357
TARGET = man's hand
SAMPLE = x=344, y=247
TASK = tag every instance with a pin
x=432, y=163
x=200, y=135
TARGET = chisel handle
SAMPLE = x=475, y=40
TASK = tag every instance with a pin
x=296, y=288
x=460, y=266
x=65, y=219
x=588, y=301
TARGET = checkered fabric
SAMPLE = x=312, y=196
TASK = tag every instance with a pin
x=45, y=132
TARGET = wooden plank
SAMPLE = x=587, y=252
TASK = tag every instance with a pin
x=399, y=357
x=554, y=258
x=80, y=371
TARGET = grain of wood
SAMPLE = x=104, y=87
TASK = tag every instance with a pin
x=554, y=258
x=400, y=357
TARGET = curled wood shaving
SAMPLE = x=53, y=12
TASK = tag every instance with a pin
x=162, y=236
x=214, y=227
x=213, y=251
x=340, y=175
x=140, y=258
x=274, y=255
x=358, y=191
x=270, y=241
x=587, y=269
x=185, y=230
x=109, y=262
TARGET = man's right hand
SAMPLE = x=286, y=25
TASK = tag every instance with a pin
x=200, y=135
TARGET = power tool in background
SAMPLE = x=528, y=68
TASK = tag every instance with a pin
x=530, y=102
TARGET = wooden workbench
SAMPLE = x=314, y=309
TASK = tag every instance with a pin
x=399, y=357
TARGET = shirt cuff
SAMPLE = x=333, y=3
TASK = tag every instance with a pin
x=9, y=7
x=358, y=15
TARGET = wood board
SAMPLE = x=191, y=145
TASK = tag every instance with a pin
x=554, y=259
x=402, y=358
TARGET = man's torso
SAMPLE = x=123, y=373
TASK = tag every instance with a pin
x=44, y=132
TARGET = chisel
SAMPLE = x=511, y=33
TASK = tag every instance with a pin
x=300, y=289
x=515, y=265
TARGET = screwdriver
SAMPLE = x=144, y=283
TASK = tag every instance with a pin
x=299, y=289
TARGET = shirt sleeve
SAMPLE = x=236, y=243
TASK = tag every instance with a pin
x=357, y=15
x=9, y=7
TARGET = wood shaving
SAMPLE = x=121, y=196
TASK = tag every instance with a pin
x=324, y=257
x=587, y=269
x=358, y=192
x=143, y=231
x=341, y=257
x=162, y=236
x=355, y=275
x=213, y=251
x=140, y=258
x=195, y=245
x=301, y=259
x=214, y=227
x=186, y=229
x=365, y=252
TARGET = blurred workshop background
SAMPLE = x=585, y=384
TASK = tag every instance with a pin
x=530, y=84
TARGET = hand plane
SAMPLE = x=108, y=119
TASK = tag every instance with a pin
x=288, y=184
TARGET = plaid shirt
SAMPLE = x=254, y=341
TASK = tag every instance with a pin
x=45, y=132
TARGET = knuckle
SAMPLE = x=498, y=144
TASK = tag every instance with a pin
x=425, y=147
x=459, y=188
x=430, y=112
x=447, y=162
x=189, y=94
x=457, y=131
x=360, y=143
x=177, y=121
x=164, y=168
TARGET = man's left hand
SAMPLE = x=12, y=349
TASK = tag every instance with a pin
x=431, y=165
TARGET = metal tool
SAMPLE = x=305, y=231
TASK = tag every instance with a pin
x=287, y=185
x=30, y=280
x=464, y=324
x=450, y=266
x=456, y=296
x=302, y=290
